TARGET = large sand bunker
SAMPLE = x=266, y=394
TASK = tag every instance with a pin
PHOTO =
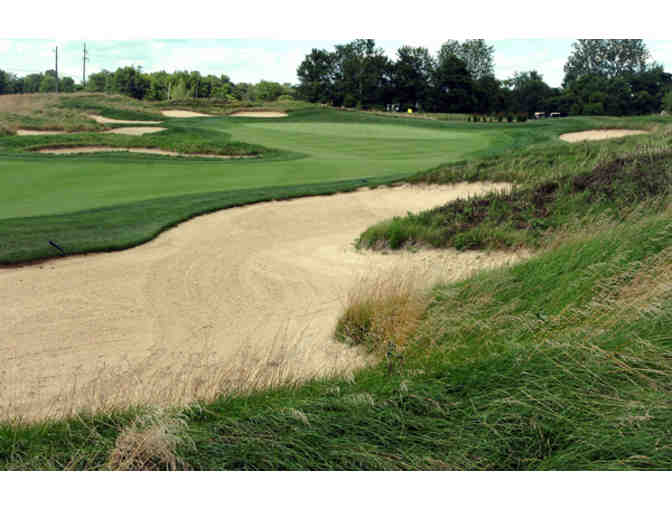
x=261, y=115
x=601, y=134
x=242, y=296
x=105, y=120
x=183, y=114
x=95, y=149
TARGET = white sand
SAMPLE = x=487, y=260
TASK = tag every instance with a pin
x=32, y=132
x=94, y=149
x=602, y=134
x=268, y=280
x=104, y=120
x=135, y=131
x=262, y=115
x=183, y=114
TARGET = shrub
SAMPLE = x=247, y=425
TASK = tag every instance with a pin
x=593, y=109
x=667, y=102
x=509, y=117
x=383, y=312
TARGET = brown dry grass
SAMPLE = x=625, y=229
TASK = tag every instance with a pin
x=26, y=104
x=384, y=311
x=150, y=443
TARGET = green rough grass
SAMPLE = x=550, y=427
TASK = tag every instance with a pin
x=562, y=362
x=559, y=363
x=559, y=186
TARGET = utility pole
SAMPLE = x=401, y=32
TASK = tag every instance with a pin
x=84, y=59
x=57, y=69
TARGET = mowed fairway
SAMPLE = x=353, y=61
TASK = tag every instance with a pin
x=314, y=151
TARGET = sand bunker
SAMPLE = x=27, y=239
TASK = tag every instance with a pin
x=242, y=296
x=95, y=149
x=33, y=132
x=135, y=131
x=602, y=134
x=183, y=114
x=262, y=115
x=104, y=120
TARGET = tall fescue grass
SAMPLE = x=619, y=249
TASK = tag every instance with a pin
x=383, y=311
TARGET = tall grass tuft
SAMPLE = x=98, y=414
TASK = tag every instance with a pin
x=383, y=312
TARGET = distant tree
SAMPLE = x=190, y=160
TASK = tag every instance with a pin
x=268, y=90
x=48, y=83
x=361, y=74
x=32, y=82
x=99, y=82
x=453, y=89
x=475, y=53
x=66, y=84
x=530, y=92
x=130, y=81
x=605, y=57
x=4, y=82
x=412, y=76
x=667, y=102
x=316, y=76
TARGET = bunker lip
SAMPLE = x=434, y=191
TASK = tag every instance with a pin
x=36, y=132
x=600, y=134
x=135, y=131
x=258, y=114
x=148, y=150
x=120, y=328
x=105, y=120
x=183, y=114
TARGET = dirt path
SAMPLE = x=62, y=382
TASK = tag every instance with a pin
x=602, y=134
x=248, y=295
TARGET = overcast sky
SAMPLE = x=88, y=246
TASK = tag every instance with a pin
x=268, y=39
x=251, y=60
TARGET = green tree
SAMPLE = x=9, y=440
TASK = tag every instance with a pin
x=453, y=90
x=66, y=84
x=605, y=57
x=667, y=102
x=48, y=83
x=316, y=76
x=475, y=53
x=99, y=82
x=268, y=90
x=530, y=92
x=362, y=73
x=412, y=76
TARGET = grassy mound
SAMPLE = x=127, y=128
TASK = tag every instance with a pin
x=522, y=217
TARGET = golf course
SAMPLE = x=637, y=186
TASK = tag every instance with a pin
x=371, y=291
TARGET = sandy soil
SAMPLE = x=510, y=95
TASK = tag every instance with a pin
x=602, y=134
x=183, y=114
x=135, y=131
x=30, y=132
x=263, y=115
x=104, y=120
x=93, y=149
x=212, y=303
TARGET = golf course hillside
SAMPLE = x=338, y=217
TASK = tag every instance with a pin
x=292, y=286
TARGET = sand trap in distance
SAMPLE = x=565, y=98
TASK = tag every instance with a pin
x=261, y=115
x=105, y=120
x=163, y=321
x=135, y=131
x=601, y=134
x=183, y=114
x=34, y=132
x=95, y=149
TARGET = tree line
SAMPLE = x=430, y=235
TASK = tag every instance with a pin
x=156, y=86
x=602, y=76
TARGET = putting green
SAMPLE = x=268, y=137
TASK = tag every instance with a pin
x=330, y=151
